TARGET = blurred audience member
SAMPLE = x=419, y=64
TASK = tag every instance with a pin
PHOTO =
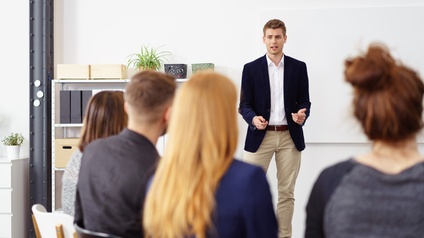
x=105, y=116
x=199, y=189
x=115, y=170
x=379, y=194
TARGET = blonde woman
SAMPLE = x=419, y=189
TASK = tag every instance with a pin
x=199, y=189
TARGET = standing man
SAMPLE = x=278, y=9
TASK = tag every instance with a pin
x=115, y=170
x=275, y=104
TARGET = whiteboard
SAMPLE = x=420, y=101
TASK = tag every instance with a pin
x=324, y=38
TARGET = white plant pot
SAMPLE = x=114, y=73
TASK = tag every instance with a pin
x=13, y=151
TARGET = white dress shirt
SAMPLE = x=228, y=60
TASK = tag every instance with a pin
x=276, y=84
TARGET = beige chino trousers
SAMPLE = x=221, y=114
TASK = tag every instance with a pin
x=287, y=159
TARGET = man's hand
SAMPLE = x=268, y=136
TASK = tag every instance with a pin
x=259, y=122
x=300, y=116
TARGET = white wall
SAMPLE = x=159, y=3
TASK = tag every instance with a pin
x=325, y=37
x=14, y=61
x=227, y=33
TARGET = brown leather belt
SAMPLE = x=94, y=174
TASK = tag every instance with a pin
x=278, y=128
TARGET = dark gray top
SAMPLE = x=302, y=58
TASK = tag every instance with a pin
x=369, y=203
x=112, y=184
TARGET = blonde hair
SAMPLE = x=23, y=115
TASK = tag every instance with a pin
x=202, y=139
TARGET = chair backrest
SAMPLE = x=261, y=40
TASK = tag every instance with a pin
x=37, y=231
x=84, y=233
x=49, y=222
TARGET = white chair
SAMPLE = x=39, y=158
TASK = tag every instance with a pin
x=53, y=224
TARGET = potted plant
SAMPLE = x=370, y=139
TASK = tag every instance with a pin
x=13, y=144
x=148, y=58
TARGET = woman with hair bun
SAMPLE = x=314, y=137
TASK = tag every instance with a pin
x=379, y=194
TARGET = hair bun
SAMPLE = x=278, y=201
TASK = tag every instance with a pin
x=371, y=71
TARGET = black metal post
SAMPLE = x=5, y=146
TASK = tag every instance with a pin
x=41, y=72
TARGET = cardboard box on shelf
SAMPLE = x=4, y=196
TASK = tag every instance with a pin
x=108, y=71
x=64, y=148
x=73, y=71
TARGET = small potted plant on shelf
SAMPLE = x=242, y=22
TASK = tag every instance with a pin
x=148, y=58
x=13, y=144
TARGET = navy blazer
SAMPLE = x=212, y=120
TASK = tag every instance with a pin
x=255, y=98
x=243, y=204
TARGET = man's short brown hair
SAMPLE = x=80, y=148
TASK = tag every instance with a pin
x=275, y=24
x=149, y=92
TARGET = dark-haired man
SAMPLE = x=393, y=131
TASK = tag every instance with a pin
x=115, y=170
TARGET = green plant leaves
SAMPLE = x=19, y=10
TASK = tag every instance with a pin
x=148, y=58
x=13, y=139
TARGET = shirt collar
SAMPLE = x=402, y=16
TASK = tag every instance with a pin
x=269, y=61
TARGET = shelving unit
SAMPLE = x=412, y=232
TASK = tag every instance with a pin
x=70, y=130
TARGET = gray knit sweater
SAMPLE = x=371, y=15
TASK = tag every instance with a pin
x=69, y=183
x=368, y=203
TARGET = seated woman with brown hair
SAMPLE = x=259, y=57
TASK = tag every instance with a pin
x=104, y=116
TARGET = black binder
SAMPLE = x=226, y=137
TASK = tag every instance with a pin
x=65, y=106
x=86, y=95
x=76, y=115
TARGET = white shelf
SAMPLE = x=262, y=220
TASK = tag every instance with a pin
x=7, y=160
x=76, y=81
x=69, y=125
x=181, y=80
x=70, y=81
